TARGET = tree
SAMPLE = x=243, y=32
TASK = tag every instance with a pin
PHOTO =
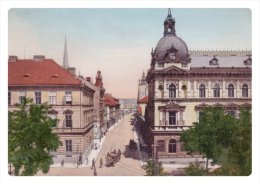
x=30, y=138
x=195, y=169
x=225, y=139
x=153, y=169
x=210, y=135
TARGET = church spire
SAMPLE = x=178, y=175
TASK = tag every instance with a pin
x=65, y=56
x=169, y=24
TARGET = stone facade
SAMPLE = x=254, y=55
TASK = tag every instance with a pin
x=71, y=100
x=181, y=85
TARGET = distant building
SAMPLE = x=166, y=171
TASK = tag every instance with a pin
x=142, y=87
x=128, y=105
x=44, y=80
x=100, y=125
x=112, y=110
x=182, y=83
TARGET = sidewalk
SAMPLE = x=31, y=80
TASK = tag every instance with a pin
x=143, y=156
x=93, y=153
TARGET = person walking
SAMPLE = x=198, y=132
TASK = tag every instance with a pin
x=95, y=172
x=93, y=164
x=101, y=162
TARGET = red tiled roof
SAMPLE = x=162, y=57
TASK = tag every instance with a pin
x=47, y=72
x=143, y=100
x=110, y=100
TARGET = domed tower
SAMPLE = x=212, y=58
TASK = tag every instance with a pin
x=99, y=82
x=170, y=50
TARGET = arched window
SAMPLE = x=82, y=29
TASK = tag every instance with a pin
x=244, y=90
x=202, y=90
x=172, y=146
x=172, y=91
x=230, y=90
x=216, y=91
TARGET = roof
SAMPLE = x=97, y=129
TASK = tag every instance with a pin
x=46, y=72
x=110, y=100
x=143, y=100
x=223, y=61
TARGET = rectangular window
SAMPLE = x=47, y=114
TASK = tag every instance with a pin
x=54, y=118
x=161, y=145
x=68, y=98
x=160, y=64
x=38, y=97
x=22, y=96
x=201, y=114
x=53, y=97
x=9, y=98
x=68, y=119
x=172, y=118
x=68, y=144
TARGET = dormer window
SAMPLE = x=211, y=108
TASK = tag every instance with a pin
x=172, y=56
x=248, y=61
x=27, y=75
x=213, y=61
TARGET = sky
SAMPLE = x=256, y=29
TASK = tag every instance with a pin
x=118, y=42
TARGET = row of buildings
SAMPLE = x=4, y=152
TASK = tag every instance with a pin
x=83, y=110
x=180, y=83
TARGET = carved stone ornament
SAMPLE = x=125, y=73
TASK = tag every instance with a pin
x=169, y=82
x=205, y=82
x=234, y=82
x=219, y=82
x=247, y=82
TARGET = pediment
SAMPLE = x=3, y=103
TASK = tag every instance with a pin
x=174, y=69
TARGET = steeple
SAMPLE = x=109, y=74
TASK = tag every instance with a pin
x=169, y=24
x=143, y=76
x=65, y=56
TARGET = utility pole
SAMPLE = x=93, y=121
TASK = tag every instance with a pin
x=155, y=159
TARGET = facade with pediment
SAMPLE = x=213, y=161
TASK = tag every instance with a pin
x=181, y=83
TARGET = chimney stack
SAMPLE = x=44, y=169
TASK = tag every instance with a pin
x=38, y=58
x=12, y=59
x=72, y=70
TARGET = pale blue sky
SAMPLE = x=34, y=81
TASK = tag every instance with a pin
x=119, y=41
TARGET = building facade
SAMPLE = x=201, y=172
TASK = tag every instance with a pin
x=112, y=110
x=99, y=120
x=44, y=80
x=182, y=82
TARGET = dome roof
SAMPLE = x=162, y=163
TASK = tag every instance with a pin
x=169, y=41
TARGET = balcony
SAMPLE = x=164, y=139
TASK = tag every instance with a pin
x=178, y=123
x=178, y=127
x=67, y=100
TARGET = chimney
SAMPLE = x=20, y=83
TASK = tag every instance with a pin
x=72, y=70
x=89, y=79
x=12, y=59
x=38, y=58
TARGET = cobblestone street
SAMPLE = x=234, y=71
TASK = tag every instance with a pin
x=117, y=138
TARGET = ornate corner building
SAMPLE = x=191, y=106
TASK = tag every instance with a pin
x=182, y=82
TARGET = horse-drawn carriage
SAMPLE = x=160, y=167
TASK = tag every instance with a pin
x=113, y=157
x=132, y=145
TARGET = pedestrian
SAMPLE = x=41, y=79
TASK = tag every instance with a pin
x=101, y=162
x=95, y=172
x=93, y=164
x=62, y=163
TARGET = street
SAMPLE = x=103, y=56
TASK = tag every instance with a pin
x=117, y=138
